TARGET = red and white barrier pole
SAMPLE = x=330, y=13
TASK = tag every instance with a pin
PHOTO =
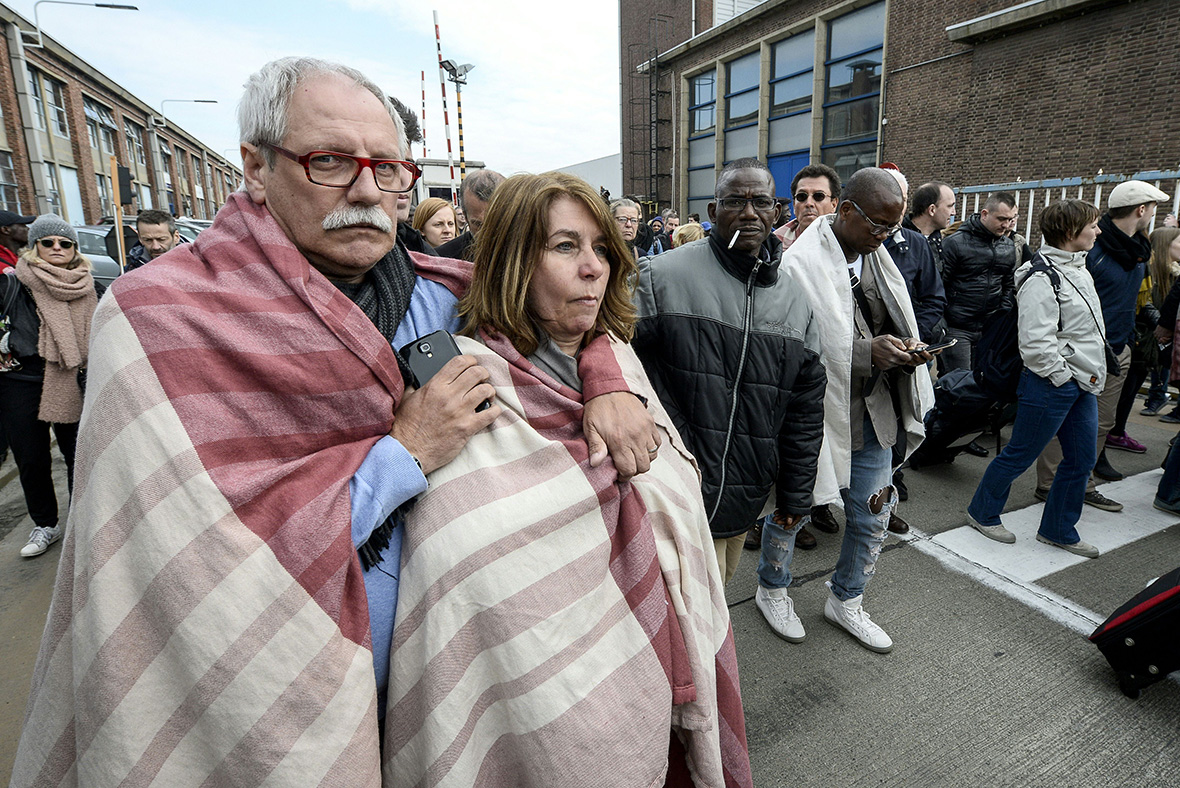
x=442, y=81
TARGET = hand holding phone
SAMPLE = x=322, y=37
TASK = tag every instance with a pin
x=937, y=347
x=425, y=356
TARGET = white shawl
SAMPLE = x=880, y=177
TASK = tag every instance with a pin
x=816, y=262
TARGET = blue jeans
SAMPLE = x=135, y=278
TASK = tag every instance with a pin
x=778, y=548
x=1044, y=410
x=864, y=534
x=1169, y=489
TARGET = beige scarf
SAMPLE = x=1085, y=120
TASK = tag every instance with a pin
x=65, y=302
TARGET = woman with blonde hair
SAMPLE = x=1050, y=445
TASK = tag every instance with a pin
x=48, y=301
x=435, y=219
x=550, y=617
x=687, y=233
x=1163, y=268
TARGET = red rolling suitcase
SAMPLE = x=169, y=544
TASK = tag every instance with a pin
x=1141, y=640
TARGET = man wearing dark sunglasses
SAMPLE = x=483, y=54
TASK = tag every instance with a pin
x=815, y=190
x=873, y=401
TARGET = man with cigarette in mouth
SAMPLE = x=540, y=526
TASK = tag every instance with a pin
x=731, y=345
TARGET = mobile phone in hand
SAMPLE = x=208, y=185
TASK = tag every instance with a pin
x=425, y=356
x=935, y=348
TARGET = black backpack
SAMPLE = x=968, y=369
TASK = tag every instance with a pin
x=997, y=354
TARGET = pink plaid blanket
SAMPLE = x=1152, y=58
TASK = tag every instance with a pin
x=209, y=625
x=554, y=625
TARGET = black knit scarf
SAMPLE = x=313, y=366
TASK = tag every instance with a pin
x=384, y=296
x=1127, y=250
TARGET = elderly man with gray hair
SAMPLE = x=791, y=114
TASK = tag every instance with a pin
x=474, y=195
x=223, y=612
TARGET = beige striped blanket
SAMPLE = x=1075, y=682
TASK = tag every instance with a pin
x=554, y=626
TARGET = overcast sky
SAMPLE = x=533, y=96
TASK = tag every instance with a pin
x=544, y=92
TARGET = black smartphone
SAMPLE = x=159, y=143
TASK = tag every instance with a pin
x=936, y=347
x=425, y=356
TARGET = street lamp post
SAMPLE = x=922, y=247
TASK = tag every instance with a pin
x=18, y=39
x=458, y=75
x=34, y=37
x=157, y=160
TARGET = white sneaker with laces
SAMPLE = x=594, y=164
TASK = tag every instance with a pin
x=39, y=541
x=852, y=618
x=779, y=611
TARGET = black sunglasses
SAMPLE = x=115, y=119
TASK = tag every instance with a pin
x=48, y=243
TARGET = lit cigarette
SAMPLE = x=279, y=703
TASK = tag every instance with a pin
x=733, y=240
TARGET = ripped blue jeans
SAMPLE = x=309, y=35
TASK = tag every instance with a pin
x=872, y=472
x=870, y=486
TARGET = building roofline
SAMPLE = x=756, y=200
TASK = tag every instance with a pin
x=59, y=51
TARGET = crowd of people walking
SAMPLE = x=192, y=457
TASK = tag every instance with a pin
x=454, y=491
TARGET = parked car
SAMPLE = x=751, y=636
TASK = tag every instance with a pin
x=92, y=242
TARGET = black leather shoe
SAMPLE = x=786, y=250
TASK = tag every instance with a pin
x=805, y=540
x=754, y=537
x=975, y=450
x=898, y=525
x=1103, y=469
x=823, y=520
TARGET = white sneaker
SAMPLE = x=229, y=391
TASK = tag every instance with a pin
x=852, y=618
x=779, y=611
x=39, y=541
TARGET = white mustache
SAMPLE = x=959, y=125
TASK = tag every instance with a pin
x=355, y=214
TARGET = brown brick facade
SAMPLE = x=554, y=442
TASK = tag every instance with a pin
x=1066, y=97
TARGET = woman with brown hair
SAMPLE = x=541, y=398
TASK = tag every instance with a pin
x=435, y=219
x=554, y=622
x=49, y=302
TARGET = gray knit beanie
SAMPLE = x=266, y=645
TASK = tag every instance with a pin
x=50, y=224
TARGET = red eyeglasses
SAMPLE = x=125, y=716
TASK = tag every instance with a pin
x=340, y=170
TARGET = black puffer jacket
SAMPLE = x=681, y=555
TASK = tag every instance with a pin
x=977, y=271
x=708, y=319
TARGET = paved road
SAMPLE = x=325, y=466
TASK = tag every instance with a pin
x=991, y=682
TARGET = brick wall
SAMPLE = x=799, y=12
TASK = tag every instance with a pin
x=1067, y=98
x=644, y=26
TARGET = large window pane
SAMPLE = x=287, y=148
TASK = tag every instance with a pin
x=790, y=133
x=743, y=73
x=741, y=143
x=702, y=120
x=857, y=31
x=847, y=159
x=702, y=152
x=791, y=95
x=9, y=197
x=700, y=208
x=851, y=121
x=793, y=54
x=742, y=109
x=701, y=182
x=856, y=77
x=704, y=88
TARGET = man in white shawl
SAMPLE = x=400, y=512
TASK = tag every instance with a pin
x=874, y=402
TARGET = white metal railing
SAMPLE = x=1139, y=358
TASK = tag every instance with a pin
x=1091, y=188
